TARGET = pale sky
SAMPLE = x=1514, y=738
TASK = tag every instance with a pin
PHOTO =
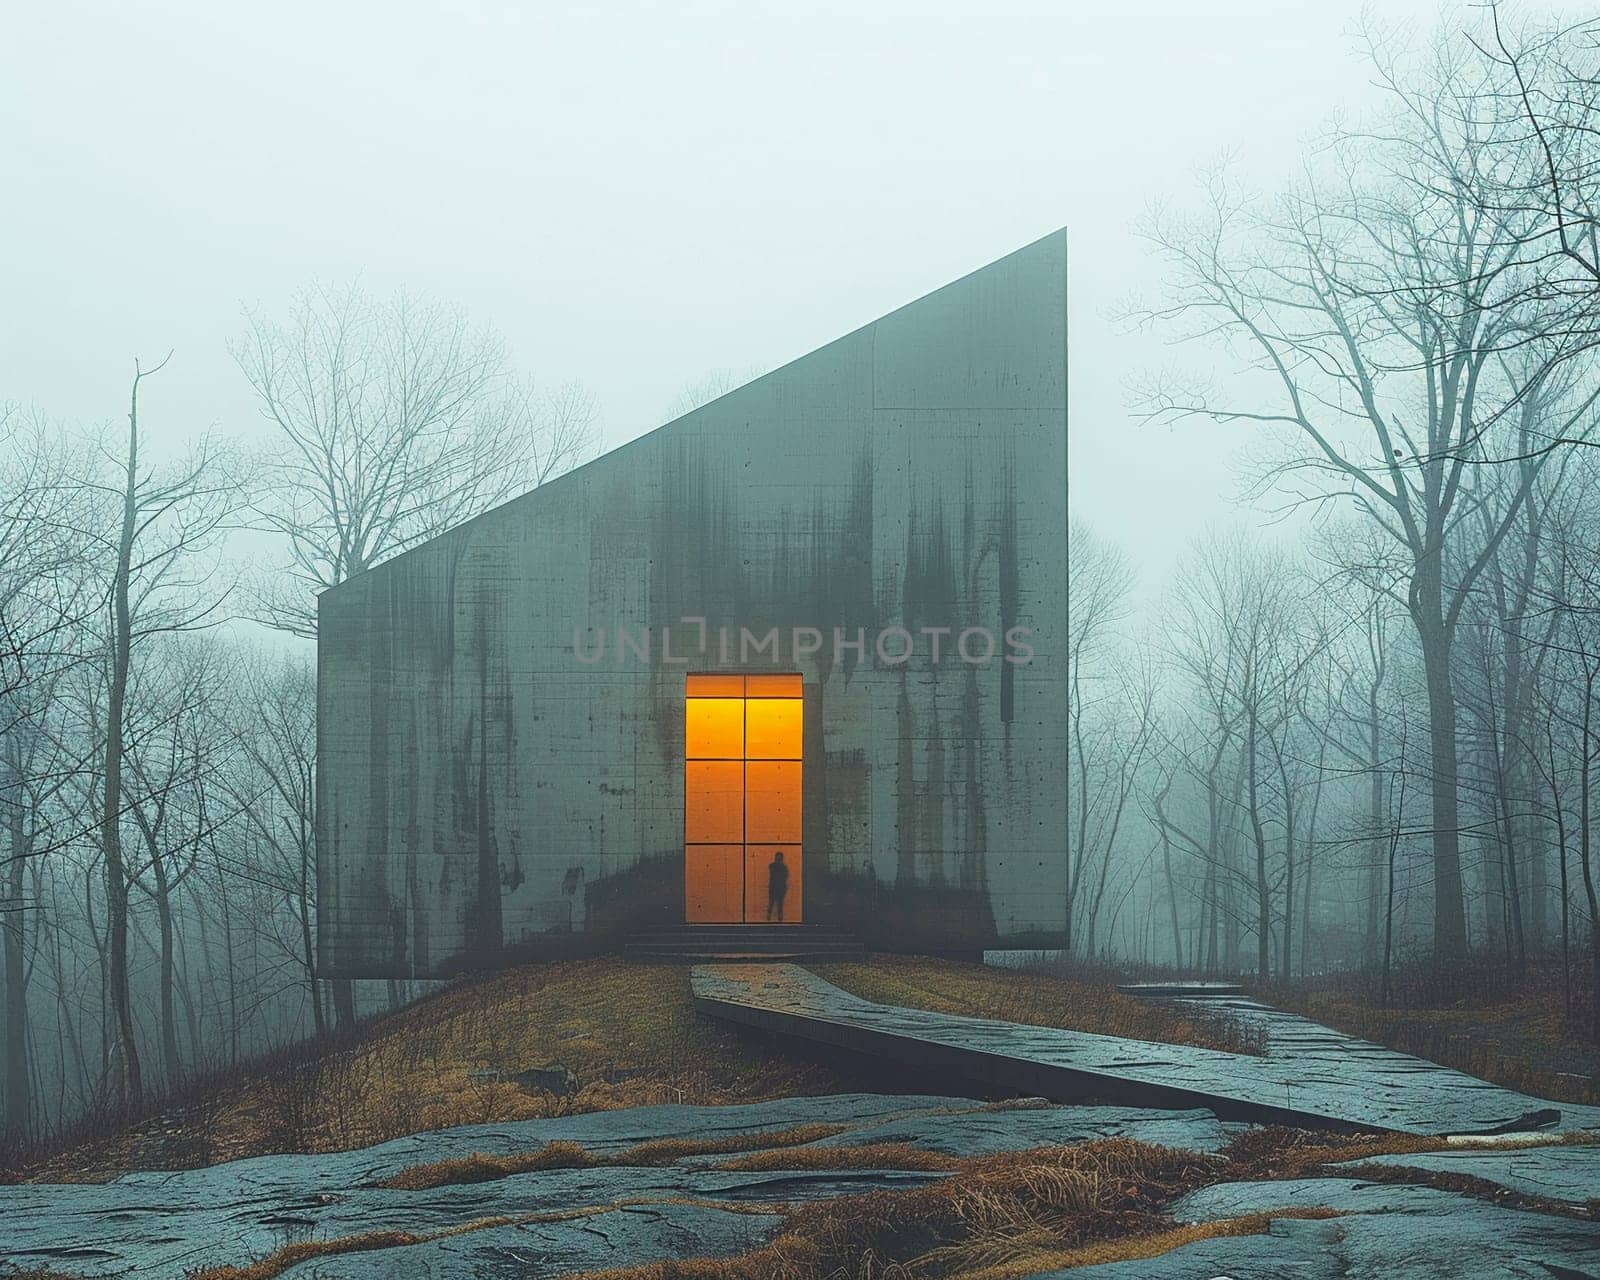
x=636, y=195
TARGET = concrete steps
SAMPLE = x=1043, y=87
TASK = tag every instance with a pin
x=1180, y=989
x=743, y=943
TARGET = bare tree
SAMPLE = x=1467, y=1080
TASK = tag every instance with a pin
x=1237, y=636
x=1552, y=76
x=1101, y=581
x=45, y=597
x=170, y=519
x=278, y=798
x=44, y=604
x=1111, y=744
x=1576, y=646
x=703, y=390
x=1392, y=335
x=396, y=420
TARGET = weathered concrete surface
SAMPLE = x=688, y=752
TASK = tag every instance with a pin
x=484, y=795
x=1386, y=1091
x=1322, y=1055
x=1181, y=988
x=162, y=1224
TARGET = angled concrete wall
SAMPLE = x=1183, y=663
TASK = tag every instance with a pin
x=486, y=792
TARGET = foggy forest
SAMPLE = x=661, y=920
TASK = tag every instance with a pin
x=1355, y=727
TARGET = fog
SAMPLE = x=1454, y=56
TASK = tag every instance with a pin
x=1363, y=750
x=637, y=196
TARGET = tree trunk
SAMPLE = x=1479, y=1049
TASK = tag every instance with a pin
x=344, y=1002
x=1377, y=816
x=1172, y=887
x=1258, y=834
x=1561, y=850
x=13, y=923
x=308, y=951
x=171, y=1063
x=132, y=1084
x=1585, y=837
x=1449, y=914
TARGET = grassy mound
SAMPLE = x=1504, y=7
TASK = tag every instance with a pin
x=622, y=1036
x=614, y=1035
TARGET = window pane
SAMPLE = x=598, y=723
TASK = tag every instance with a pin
x=713, y=883
x=713, y=727
x=772, y=686
x=772, y=801
x=772, y=728
x=715, y=687
x=761, y=904
x=713, y=801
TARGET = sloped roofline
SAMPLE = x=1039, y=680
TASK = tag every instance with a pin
x=1060, y=233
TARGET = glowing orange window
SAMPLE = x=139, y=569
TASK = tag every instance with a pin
x=742, y=776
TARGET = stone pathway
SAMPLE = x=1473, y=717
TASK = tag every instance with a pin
x=1310, y=1075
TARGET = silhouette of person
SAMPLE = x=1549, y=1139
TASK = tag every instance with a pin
x=777, y=885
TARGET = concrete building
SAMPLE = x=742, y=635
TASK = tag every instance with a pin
x=797, y=656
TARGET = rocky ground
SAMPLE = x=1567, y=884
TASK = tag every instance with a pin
x=560, y=1221
x=164, y=1226
x=871, y=1184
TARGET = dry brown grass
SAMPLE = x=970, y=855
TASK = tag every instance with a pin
x=1008, y=1216
x=867, y=1155
x=596, y=1017
x=627, y=1032
x=1133, y=1248
x=1000, y=1211
x=998, y=1217
x=569, y=1155
x=281, y=1259
x=1275, y=1151
x=479, y=1167
x=1037, y=999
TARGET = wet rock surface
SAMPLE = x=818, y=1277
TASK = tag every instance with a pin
x=1475, y=1241
x=1310, y=1075
x=1384, y=1230
x=1565, y=1174
x=166, y=1225
x=163, y=1224
x=981, y=1133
